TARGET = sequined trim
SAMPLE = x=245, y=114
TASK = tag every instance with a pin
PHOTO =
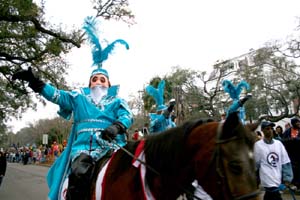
x=91, y=120
x=55, y=96
x=89, y=130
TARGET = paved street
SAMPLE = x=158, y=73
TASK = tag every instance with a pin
x=26, y=182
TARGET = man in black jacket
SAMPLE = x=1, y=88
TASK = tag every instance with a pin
x=294, y=131
x=2, y=166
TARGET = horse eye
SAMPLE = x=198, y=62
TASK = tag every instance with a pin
x=235, y=167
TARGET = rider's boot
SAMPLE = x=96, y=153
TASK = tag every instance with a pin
x=80, y=178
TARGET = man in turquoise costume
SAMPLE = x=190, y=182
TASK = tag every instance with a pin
x=161, y=120
x=100, y=120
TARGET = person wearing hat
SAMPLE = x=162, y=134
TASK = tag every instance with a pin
x=294, y=131
x=272, y=163
x=100, y=117
x=161, y=120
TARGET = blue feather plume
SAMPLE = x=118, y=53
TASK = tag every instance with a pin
x=235, y=91
x=157, y=94
x=99, y=55
x=111, y=46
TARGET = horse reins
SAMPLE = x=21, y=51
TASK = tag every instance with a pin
x=149, y=167
x=133, y=156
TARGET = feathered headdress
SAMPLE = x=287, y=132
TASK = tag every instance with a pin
x=235, y=91
x=158, y=95
x=99, y=55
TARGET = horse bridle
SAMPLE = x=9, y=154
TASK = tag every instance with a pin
x=220, y=167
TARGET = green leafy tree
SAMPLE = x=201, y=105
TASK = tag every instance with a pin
x=28, y=40
x=275, y=82
x=180, y=85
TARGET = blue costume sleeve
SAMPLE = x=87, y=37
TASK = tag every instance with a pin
x=60, y=97
x=158, y=123
x=153, y=126
x=124, y=114
x=287, y=172
x=173, y=124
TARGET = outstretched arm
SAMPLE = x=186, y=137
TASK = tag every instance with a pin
x=35, y=83
x=60, y=97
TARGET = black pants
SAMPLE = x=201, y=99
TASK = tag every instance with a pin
x=84, y=172
x=272, y=193
x=80, y=178
x=1, y=179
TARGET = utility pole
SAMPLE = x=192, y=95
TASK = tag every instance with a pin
x=177, y=94
x=141, y=104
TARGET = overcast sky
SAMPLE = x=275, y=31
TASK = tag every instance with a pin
x=188, y=33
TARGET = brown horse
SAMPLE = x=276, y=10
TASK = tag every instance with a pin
x=218, y=155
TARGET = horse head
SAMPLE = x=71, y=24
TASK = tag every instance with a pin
x=223, y=159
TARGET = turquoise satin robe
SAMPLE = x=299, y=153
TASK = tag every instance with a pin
x=159, y=123
x=89, y=120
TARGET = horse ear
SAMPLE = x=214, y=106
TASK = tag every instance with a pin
x=253, y=126
x=231, y=122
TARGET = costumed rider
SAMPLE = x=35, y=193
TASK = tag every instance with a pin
x=161, y=120
x=235, y=92
x=100, y=120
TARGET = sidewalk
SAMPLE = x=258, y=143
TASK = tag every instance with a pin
x=46, y=163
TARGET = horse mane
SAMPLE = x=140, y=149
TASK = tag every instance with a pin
x=165, y=152
x=125, y=159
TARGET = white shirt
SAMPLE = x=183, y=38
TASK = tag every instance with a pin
x=269, y=158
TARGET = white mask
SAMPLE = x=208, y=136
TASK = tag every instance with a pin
x=98, y=92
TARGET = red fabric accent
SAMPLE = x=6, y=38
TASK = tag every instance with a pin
x=135, y=136
x=103, y=184
x=143, y=188
x=294, y=133
x=139, y=149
